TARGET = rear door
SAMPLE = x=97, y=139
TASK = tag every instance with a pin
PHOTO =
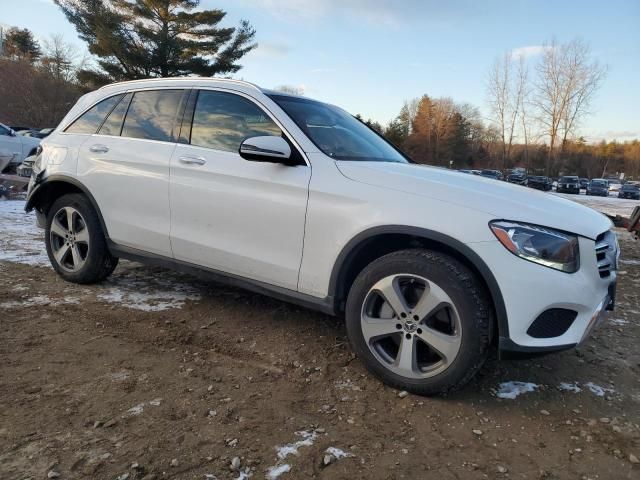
x=233, y=215
x=126, y=167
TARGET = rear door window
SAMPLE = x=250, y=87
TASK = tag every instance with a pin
x=90, y=121
x=152, y=115
x=222, y=121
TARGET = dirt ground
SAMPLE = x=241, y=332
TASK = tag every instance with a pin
x=159, y=375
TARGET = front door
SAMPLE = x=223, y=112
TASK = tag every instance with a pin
x=236, y=216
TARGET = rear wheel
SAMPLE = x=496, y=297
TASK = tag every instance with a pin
x=420, y=321
x=76, y=244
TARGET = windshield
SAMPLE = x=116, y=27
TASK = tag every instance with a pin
x=569, y=179
x=335, y=132
x=598, y=183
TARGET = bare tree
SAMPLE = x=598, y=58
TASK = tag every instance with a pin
x=567, y=80
x=60, y=59
x=524, y=98
x=505, y=93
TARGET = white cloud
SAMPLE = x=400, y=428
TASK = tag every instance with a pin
x=529, y=51
x=270, y=50
x=381, y=12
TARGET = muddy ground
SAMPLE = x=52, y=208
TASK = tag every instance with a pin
x=159, y=375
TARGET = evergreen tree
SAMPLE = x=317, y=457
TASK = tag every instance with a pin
x=156, y=38
x=20, y=44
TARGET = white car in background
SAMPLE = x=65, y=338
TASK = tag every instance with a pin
x=15, y=148
x=432, y=269
x=614, y=185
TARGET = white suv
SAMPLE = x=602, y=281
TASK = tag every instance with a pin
x=295, y=198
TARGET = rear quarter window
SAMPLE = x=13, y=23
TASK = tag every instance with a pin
x=90, y=121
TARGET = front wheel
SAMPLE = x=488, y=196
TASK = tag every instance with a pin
x=76, y=244
x=420, y=321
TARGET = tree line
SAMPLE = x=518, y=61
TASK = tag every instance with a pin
x=535, y=113
x=535, y=108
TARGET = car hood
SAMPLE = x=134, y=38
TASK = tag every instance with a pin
x=500, y=199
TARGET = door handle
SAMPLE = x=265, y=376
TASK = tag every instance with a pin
x=192, y=160
x=99, y=148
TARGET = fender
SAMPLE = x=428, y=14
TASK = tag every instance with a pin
x=43, y=185
x=346, y=256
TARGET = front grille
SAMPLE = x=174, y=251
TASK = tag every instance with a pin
x=606, y=253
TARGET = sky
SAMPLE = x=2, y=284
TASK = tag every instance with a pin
x=369, y=56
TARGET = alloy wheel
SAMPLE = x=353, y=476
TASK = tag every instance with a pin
x=411, y=326
x=69, y=239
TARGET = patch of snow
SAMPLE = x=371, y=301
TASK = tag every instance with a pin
x=137, y=410
x=292, y=448
x=511, y=390
x=137, y=288
x=308, y=437
x=618, y=321
x=338, y=453
x=347, y=385
x=570, y=387
x=39, y=300
x=21, y=241
x=629, y=262
x=274, y=472
x=244, y=475
x=597, y=389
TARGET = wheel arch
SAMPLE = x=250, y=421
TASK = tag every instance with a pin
x=53, y=187
x=378, y=241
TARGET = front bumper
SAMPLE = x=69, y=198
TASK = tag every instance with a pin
x=530, y=290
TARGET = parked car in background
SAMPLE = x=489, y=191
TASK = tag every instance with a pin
x=517, y=178
x=630, y=190
x=584, y=183
x=431, y=269
x=495, y=174
x=568, y=184
x=614, y=184
x=19, y=128
x=26, y=167
x=539, y=182
x=598, y=187
x=42, y=133
x=17, y=147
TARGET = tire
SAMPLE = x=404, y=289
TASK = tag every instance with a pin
x=79, y=254
x=463, y=320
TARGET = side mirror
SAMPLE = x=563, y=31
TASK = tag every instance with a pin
x=266, y=149
x=12, y=133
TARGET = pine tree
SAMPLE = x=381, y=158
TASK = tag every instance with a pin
x=20, y=44
x=156, y=38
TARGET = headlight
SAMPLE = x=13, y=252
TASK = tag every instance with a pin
x=545, y=246
x=37, y=163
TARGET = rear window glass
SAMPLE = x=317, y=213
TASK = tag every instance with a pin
x=90, y=121
x=152, y=115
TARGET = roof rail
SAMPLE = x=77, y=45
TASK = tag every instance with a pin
x=161, y=79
